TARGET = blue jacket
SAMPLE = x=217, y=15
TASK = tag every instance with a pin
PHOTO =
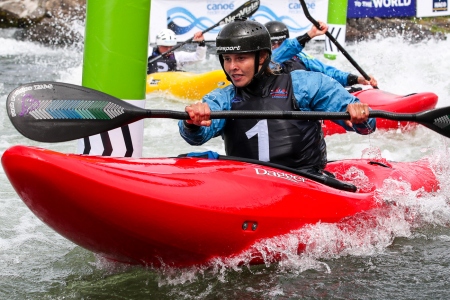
x=313, y=92
x=291, y=47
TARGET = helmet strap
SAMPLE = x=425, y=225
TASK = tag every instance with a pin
x=223, y=68
x=257, y=63
x=258, y=74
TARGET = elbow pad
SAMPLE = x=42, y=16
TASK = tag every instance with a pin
x=352, y=79
x=303, y=39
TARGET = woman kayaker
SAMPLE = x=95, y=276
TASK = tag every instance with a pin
x=174, y=61
x=244, y=50
x=287, y=52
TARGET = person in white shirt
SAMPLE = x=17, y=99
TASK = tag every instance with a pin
x=174, y=61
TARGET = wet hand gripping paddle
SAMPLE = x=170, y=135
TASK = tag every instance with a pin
x=58, y=112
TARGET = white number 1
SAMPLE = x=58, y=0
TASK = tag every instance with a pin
x=261, y=129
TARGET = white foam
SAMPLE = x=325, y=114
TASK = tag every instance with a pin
x=399, y=67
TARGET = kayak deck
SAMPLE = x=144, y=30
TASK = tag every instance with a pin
x=185, y=211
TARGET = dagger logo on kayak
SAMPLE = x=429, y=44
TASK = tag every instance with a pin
x=290, y=177
x=69, y=109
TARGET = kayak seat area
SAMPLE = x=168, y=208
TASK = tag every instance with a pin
x=353, y=89
x=326, y=178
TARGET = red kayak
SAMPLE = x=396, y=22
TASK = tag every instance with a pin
x=381, y=100
x=186, y=211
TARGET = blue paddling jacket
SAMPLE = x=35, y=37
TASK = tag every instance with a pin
x=291, y=49
x=311, y=91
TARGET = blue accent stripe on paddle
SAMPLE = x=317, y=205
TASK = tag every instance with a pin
x=76, y=109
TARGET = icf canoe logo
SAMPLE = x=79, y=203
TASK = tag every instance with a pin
x=265, y=14
x=215, y=7
x=180, y=15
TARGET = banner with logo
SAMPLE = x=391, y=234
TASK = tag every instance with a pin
x=432, y=8
x=189, y=17
x=381, y=8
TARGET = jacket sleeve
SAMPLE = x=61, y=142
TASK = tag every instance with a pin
x=187, y=58
x=313, y=64
x=317, y=92
x=288, y=49
x=218, y=99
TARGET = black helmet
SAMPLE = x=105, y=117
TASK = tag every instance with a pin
x=277, y=30
x=243, y=36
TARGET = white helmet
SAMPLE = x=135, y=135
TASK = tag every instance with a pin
x=166, y=38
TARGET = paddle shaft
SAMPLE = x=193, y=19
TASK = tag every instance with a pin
x=245, y=10
x=172, y=49
x=288, y=115
x=331, y=37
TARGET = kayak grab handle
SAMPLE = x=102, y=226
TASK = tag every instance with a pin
x=379, y=164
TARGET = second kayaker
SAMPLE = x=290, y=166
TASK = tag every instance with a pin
x=174, y=61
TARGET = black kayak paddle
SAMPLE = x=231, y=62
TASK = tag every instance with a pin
x=57, y=112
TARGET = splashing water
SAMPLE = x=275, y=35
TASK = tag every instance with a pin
x=399, y=232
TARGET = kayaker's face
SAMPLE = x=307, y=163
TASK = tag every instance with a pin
x=276, y=44
x=163, y=49
x=240, y=67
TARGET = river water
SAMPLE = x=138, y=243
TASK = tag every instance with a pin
x=402, y=255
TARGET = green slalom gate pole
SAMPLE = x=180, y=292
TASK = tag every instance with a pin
x=337, y=20
x=115, y=62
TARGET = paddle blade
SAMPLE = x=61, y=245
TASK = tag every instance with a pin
x=245, y=10
x=57, y=112
x=437, y=120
